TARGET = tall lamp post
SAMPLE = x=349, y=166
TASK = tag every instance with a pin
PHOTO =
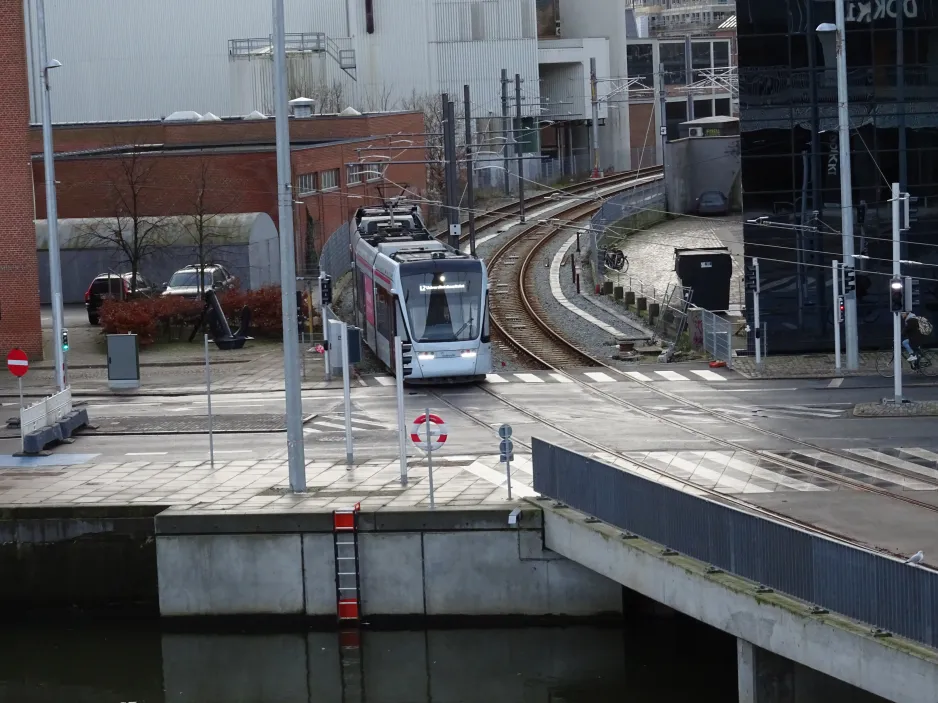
x=846, y=193
x=52, y=214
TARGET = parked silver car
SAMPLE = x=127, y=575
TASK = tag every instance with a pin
x=185, y=282
x=712, y=202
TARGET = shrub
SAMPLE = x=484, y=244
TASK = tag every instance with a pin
x=168, y=318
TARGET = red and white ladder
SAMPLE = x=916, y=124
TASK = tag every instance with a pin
x=348, y=601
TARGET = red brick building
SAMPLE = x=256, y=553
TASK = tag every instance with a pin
x=19, y=285
x=159, y=169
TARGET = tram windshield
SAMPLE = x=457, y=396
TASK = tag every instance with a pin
x=444, y=306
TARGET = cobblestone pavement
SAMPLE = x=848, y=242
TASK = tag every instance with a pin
x=804, y=366
x=651, y=252
x=252, y=485
x=909, y=409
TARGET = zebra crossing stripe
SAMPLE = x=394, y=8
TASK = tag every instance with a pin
x=636, y=376
x=495, y=378
x=385, y=380
x=529, y=378
x=600, y=377
x=671, y=376
x=708, y=375
x=560, y=378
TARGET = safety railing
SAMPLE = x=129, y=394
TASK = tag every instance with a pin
x=46, y=412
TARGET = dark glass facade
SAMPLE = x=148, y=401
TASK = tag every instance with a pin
x=790, y=157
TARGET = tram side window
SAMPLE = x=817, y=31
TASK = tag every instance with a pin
x=361, y=292
x=383, y=312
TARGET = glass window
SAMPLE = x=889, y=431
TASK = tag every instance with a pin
x=672, y=61
x=218, y=276
x=721, y=53
x=722, y=107
x=703, y=108
x=443, y=306
x=640, y=63
x=306, y=183
x=354, y=174
x=329, y=179
x=700, y=58
x=189, y=279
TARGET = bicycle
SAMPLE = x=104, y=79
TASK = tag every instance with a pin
x=927, y=363
x=615, y=260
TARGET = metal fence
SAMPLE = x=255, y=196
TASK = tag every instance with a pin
x=335, y=258
x=868, y=587
x=717, y=337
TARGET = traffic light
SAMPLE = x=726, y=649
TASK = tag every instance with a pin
x=407, y=357
x=910, y=288
x=325, y=290
x=64, y=340
x=896, y=295
x=861, y=212
x=909, y=211
x=850, y=279
x=750, y=278
x=840, y=308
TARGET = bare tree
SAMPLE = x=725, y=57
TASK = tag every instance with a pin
x=378, y=98
x=135, y=235
x=329, y=97
x=211, y=197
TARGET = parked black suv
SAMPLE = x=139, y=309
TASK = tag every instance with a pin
x=185, y=282
x=117, y=286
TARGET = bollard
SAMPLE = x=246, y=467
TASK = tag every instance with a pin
x=654, y=309
x=607, y=287
x=617, y=293
x=630, y=297
x=573, y=268
x=578, y=283
x=641, y=304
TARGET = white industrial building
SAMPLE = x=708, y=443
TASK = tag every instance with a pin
x=147, y=59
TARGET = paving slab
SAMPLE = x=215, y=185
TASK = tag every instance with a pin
x=190, y=424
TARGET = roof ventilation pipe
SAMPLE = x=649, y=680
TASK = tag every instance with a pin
x=302, y=107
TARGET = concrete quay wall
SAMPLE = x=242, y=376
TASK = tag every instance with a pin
x=783, y=650
x=412, y=564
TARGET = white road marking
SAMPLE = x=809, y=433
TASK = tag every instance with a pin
x=600, y=377
x=708, y=375
x=836, y=382
x=671, y=375
x=529, y=378
x=494, y=378
x=234, y=451
x=499, y=479
x=311, y=430
x=146, y=453
x=560, y=378
x=385, y=380
x=333, y=425
x=635, y=375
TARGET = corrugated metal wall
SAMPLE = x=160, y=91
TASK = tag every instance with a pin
x=562, y=91
x=143, y=59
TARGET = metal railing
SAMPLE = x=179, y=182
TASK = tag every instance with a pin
x=46, y=412
x=717, y=337
x=859, y=584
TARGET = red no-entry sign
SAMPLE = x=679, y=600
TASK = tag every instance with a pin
x=17, y=362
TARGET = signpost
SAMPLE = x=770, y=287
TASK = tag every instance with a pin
x=431, y=425
x=19, y=365
x=208, y=398
x=506, y=452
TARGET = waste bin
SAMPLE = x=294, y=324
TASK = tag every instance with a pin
x=708, y=271
x=123, y=361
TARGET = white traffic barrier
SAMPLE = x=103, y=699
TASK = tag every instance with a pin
x=46, y=412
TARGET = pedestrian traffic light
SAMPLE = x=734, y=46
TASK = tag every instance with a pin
x=325, y=290
x=850, y=279
x=861, y=212
x=64, y=340
x=909, y=211
x=840, y=308
x=750, y=278
x=896, y=295
x=407, y=358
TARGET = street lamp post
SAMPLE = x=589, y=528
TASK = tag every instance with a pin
x=846, y=193
x=52, y=214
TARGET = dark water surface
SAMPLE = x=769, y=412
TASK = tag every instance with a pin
x=664, y=660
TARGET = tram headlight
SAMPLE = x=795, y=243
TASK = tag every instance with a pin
x=425, y=356
x=468, y=354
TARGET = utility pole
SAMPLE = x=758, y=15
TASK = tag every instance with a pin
x=835, y=293
x=52, y=214
x=505, y=130
x=896, y=273
x=470, y=173
x=291, y=345
x=846, y=185
x=594, y=98
x=449, y=157
x=662, y=100
x=689, y=76
x=519, y=147
x=756, y=317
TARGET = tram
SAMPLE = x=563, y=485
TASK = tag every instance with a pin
x=433, y=296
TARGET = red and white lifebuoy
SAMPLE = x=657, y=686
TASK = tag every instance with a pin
x=418, y=432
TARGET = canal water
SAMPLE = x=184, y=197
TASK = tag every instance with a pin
x=661, y=660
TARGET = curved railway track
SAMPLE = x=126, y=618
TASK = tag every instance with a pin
x=521, y=324
x=518, y=320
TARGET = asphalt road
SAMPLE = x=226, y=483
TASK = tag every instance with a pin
x=805, y=409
